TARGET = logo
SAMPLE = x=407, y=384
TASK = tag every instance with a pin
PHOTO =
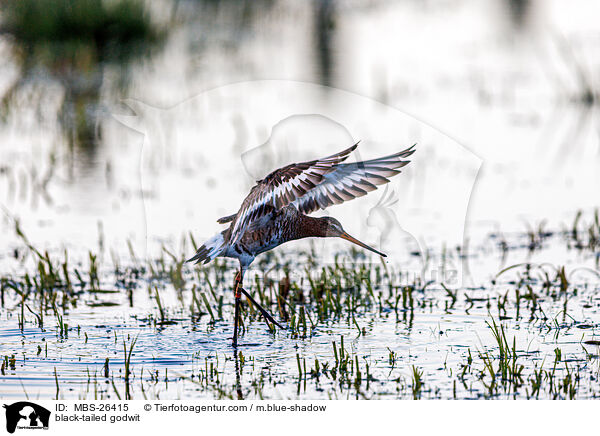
x=26, y=415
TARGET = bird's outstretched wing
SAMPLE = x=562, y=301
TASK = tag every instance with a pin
x=351, y=180
x=316, y=185
x=282, y=187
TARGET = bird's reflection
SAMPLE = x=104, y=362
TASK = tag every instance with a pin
x=238, y=375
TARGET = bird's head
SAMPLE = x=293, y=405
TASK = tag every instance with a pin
x=332, y=228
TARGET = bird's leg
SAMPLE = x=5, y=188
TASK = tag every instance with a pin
x=237, y=285
x=264, y=313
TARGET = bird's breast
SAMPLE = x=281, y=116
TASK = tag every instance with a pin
x=272, y=233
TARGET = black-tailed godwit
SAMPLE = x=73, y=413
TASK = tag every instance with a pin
x=275, y=211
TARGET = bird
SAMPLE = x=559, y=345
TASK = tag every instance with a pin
x=277, y=208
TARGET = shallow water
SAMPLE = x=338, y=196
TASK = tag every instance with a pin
x=387, y=332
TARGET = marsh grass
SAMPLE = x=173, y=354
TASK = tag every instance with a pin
x=127, y=352
x=344, y=301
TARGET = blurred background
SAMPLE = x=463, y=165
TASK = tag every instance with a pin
x=86, y=85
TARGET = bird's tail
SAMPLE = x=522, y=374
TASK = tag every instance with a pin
x=209, y=250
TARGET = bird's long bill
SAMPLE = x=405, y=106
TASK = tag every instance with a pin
x=347, y=237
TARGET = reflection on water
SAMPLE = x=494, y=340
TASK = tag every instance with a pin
x=519, y=12
x=65, y=156
x=325, y=25
x=83, y=47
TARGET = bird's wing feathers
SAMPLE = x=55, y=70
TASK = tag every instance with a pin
x=315, y=185
x=351, y=180
x=282, y=187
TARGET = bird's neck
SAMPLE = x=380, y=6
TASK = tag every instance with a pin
x=309, y=227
